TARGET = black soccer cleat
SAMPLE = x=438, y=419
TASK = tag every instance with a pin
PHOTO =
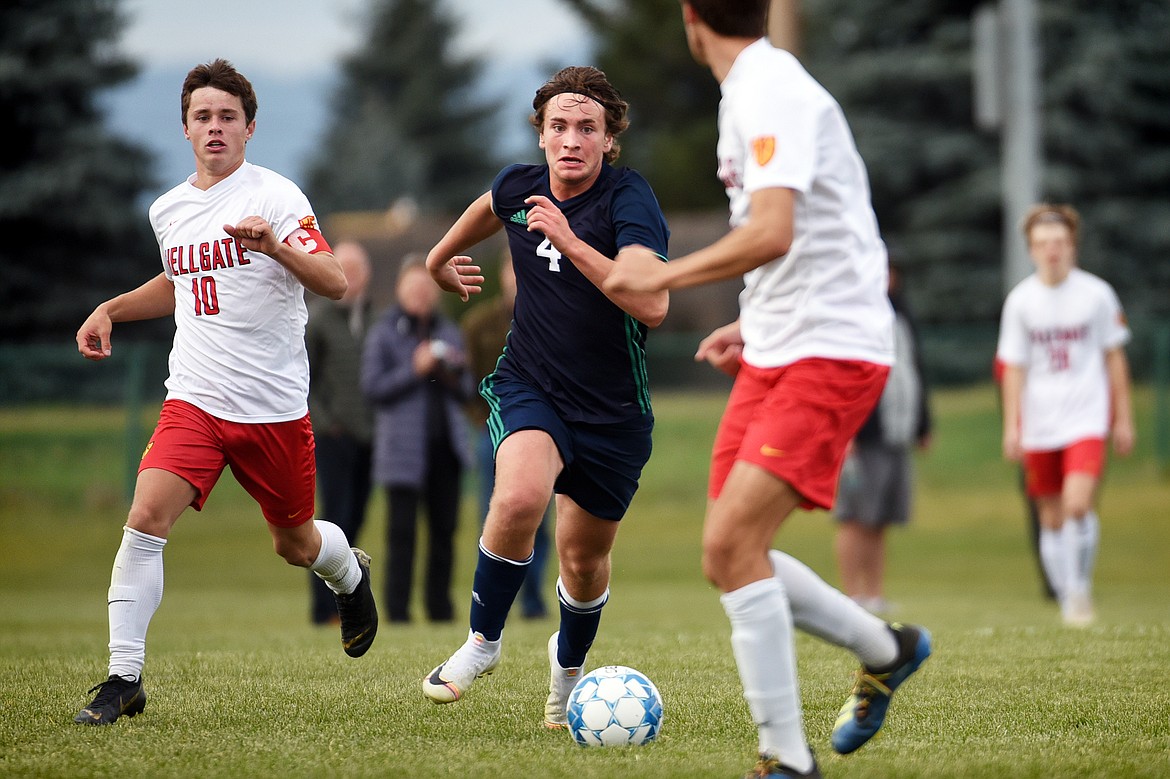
x=358, y=612
x=116, y=696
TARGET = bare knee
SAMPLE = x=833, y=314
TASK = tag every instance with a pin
x=1077, y=507
x=295, y=550
x=718, y=557
x=581, y=570
x=519, y=505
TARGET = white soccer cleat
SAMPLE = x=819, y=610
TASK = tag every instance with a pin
x=451, y=680
x=560, y=685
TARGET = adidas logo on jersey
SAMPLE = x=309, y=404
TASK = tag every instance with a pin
x=520, y=217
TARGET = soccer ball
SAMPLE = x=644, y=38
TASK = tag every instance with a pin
x=614, y=706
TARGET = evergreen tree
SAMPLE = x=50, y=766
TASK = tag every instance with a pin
x=407, y=123
x=673, y=100
x=901, y=70
x=1106, y=94
x=73, y=233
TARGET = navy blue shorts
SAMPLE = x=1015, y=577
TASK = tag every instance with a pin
x=602, y=462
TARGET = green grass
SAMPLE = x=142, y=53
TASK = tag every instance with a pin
x=240, y=685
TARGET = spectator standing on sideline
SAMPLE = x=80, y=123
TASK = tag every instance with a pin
x=570, y=399
x=342, y=420
x=1065, y=389
x=239, y=247
x=485, y=331
x=415, y=373
x=810, y=354
x=877, y=480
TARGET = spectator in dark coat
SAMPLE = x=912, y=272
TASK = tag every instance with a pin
x=415, y=374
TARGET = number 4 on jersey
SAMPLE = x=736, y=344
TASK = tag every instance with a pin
x=549, y=252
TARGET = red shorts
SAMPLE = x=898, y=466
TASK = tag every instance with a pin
x=272, y=461
x=1044, y=472
x=796, y=422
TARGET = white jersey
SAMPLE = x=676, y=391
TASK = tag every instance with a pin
x=239, y=350
x=1059, y=335
x=827, y=297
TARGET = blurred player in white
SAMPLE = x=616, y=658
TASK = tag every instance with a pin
x=239, y=246
x=1066, y=388
x=810, y=353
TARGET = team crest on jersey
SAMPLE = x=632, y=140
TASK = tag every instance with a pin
x=308, y=222
x=763, y=149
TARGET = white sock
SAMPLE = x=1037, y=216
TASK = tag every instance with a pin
x=136, y=589
x=1090, y=528
x=335, y=563
x=1070, y=546
x=1053, y=558
x=831, y=615
x=762, y=642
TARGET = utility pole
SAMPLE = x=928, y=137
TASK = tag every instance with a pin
x=784, y=25
x=1007, y=99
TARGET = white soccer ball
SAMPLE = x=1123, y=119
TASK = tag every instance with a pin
x=614, y=706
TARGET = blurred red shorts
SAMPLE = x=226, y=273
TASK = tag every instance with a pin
x=1044, y=472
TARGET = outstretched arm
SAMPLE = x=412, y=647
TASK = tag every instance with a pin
x=766, y=235
x=448, y=266
x=154, y=299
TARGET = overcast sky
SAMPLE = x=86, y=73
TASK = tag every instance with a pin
x=290, y=49
x=307, y=36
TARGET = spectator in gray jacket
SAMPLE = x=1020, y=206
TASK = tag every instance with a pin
x=415, y=374
x=877, y=481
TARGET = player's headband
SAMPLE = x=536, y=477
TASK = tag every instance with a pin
x=537, y=103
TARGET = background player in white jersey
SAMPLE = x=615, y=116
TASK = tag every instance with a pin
x=239, y=246
x=1065, y=388
x=810, y=353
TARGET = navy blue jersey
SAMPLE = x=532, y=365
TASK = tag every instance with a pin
x=568, y=339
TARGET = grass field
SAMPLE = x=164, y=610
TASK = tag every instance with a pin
x=240, y=685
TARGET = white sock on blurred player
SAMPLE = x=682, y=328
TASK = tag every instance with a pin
x=762, y=641
x=1054, y=560
x=832, y=616
x=136, y=589
x=1090, y=533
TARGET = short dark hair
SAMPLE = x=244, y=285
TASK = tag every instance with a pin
x=733, y=18
x=592, y=83
x=221, y=75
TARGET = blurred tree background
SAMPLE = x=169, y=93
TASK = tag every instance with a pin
x=673, y=100
x=410, y=120
x=406, y=121
x=73, y=234
x=903, y=73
